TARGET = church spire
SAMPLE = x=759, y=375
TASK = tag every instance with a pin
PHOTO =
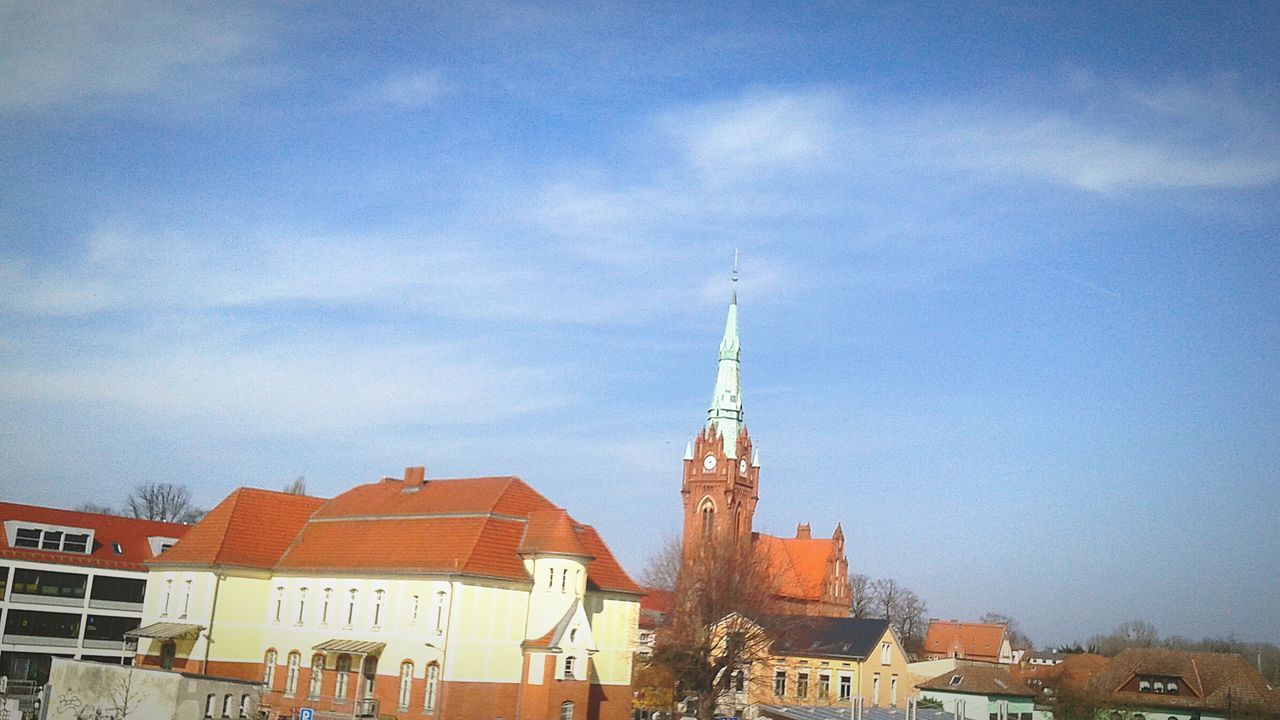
x=725, y=414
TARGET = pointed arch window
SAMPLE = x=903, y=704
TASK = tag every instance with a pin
x=317, y=676
x=708, y=517
x=406, y=684
x=433, y=682
x=268, y=669
x=291, y=673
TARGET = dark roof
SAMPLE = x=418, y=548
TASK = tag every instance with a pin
x=1207, y=679
x=979, y=680
x=829, y=637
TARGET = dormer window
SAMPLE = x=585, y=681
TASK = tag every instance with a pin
x=956, y=680
x=38, y=536
x=1144, y=686
x=1171, y=688
x=160, y=544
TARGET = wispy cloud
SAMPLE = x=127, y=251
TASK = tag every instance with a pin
x=70, y=55
x=415, y=89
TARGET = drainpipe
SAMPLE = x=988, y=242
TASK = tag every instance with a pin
x=208, y=634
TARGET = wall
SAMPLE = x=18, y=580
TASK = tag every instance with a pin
x=86, y=689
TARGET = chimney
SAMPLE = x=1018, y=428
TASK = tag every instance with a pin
x=415, y=476
x=802, y=531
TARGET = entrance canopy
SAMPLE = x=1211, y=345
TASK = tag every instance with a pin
x=166, y=631
x=353, y=647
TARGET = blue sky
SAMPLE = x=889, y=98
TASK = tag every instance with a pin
x=1009, y=298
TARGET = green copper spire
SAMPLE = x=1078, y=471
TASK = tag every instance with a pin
x=725, y=413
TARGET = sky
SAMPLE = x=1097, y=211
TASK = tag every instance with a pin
x=1009, y=297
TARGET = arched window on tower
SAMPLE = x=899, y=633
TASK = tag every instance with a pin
x=708, y=512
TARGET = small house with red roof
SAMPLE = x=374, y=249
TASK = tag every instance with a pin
x=986, y=642
x=72, y=585
x=408, y=597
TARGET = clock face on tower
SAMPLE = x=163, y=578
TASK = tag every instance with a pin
x=709, y=462
x=742, y=466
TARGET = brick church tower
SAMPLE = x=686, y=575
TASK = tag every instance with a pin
x=721, y=470
x=721, y=487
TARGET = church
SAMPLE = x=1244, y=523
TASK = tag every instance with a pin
x=720, y=489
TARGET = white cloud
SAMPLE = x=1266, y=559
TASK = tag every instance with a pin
x=760, y=133
x=416, y=89
x=60, y=54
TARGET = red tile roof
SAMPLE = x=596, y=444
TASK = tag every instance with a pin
x=979, y=680
x=130, y=533
x=975, y=641
x=798, y=566
x=471, y=526
x=1210, y=681
x=250, y=528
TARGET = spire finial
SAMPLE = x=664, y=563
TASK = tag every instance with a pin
x=734, y=276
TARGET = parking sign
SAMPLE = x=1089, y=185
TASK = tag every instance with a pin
x=306, y=714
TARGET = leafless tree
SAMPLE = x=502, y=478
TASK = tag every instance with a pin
x=91, y=507
x=162, y=501
x=901, y=607
x=663, y=568
x=862, y=597
x=298, y=486
x=1016, y=637
x=720, y=623
x=124, y=698
x=886, y=593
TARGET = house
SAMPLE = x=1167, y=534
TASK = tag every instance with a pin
x=719, y=492
x=841, y=712
x=408, y=597
x=1142, y=683
x=654, y=607
x=981, y=692
x=1068, y=671
x=811, y=661
x=71, y=585
x=987, y=642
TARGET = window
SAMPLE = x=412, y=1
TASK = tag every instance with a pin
x=893, y=691
x=564, y=580
x=302, y=604
x=568, y=667
x=343, y=673
x=846, y=687
x=1144, y=686
x=406, y=684
x=433, y=677
x=413, y=614
x=244, y=706
x=377, y=606
x=33, y=623
x=566, y=711
x=186, y=598
x=168, y=593
x=279, y=602
x=210, y=703
x=351, y=606
x=824, y=685
x=739, y=680
x=708, y=520
x=54, y=586
x=317, y=676
x=291, y=673
x=875, y=689
x=76, y=543
x=886, y=653
x=324, y=606
x=168, y=651
x=802, y=685
x=108, y=627
x=27, y=538
x=440, y=611
x=551, y=578
x=227, y=701
x=1171, y=687
x=268, y=669
x=956, y=680
x=780, y=683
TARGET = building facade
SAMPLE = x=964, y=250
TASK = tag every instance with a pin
x=986, y=642
x=72, y=584
x=719, y=492
x=468, y=598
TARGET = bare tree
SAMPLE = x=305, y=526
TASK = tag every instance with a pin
x=912, y=621
x=719, y=623
x=1132, y=634
x=887, y=595
x=124, y=698
x=663, y=569
x=1017, y=638
x=861, y=595
x=91, y=507
x=298, y=486
x=162, y=501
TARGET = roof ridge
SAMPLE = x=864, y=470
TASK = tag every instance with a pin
x=231, y=513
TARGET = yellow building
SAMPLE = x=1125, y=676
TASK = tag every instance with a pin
x=471, y=598
x=821, y=661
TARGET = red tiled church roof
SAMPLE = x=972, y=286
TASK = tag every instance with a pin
x=472, y=526
x=108, y=530
x=798, y=566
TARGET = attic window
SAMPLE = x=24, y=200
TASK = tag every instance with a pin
x=117, y=549
x=1171, y=687
x=64, y=539
x=955, y=680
